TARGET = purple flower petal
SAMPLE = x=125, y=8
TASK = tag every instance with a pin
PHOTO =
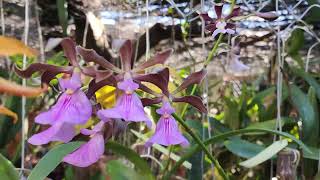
x=73, y=83
x=97, y=128
x=128, y=85
x=230, y=31
x=75, y=108
x=236, y=65
x=58, y=132
x=217, y=31
x=88, y=153
x=129, y=107
x=166, y=109
x=167, y=133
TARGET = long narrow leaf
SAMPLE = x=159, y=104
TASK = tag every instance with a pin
x=132, y=156
x=52, y=159
x=266, y=154
x=7, y=170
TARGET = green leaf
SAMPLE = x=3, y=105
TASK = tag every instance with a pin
x=196, y=159
x=63, y=15
x=313, y=154
x=118, y=171
x=307, y=77
x=294, y=44
x=266, y=154
x=231, y=113
x=243, y=148
x=303, y=105
x=271, y=124
x=315, y=131
x=52, y=159
x=7, y=170
x=259, y=97
x=229, y=134
x=132, y=156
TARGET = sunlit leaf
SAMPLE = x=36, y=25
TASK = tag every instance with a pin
x=106, y=96
x=266, y=154
x=7, y=170
x=302, y=103
x=52, y=159
x=12, y=88
x=8, y=112
x=243, y=148
x=116, y=170
x=140, y=164
x=11, y=46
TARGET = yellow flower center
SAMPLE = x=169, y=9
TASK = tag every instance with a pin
x=69, y=91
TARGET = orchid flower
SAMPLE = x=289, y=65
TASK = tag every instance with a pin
x=129, y=107
x=217, y=19
x=161, y=80
x=89, y=152
x=235, y=65
x=167, y=132
x=72, y=108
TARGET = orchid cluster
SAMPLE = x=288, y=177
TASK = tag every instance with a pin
x=76, y=103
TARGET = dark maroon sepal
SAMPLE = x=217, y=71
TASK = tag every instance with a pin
x=90, y=55
x=149, y=101
x=194, y=78
x=40, y=67
x=126, y=55
x=194, y=101
x=160, y=79
x=69, y=49
x=95, y=86
x=159, y=58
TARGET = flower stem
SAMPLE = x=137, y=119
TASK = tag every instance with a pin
x=213, y=51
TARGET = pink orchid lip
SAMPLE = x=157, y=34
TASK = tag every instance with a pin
x=69, y=91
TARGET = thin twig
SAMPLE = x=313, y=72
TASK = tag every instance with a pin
x=24, y=122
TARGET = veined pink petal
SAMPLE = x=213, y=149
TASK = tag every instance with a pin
x=75, y=108
x=58, y=132
x=167, y=133
x=165, y=109
x=129, y=107
x=97, y=128
x=128, y=85
x=73, y=83
x=88, y=153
